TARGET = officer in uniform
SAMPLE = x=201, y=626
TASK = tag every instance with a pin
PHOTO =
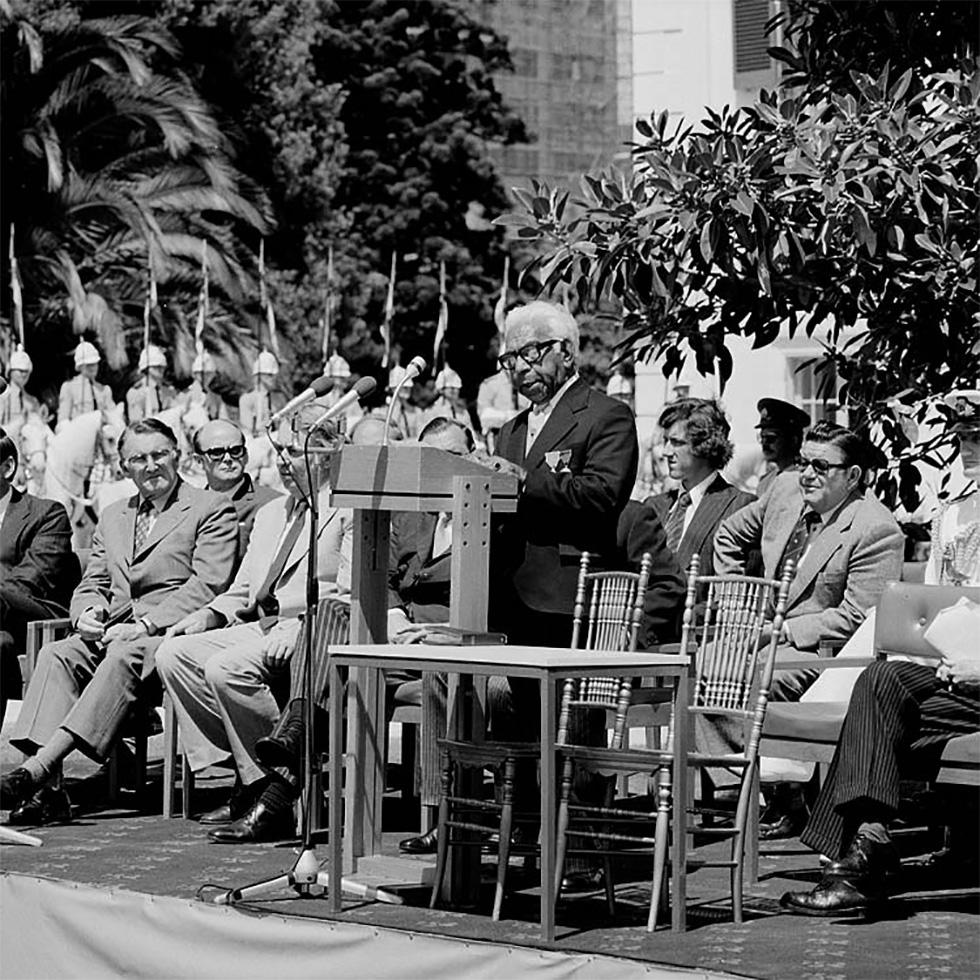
x=449, y=403
x=257, y=406
x=83, y=394
x=405, y=417
x=149, y=395
x=204, y=371
x=15, y=403
x=781, y=427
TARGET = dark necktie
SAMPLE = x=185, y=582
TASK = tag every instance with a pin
x=675, y=520
x=800, y=538
x=144, y=519
x=265, y=598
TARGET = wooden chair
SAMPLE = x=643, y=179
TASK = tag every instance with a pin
x=615, y=605
x=332, y=628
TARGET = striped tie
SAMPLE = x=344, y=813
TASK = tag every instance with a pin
x=809, y=521
x=675, y=520
x=144, y=519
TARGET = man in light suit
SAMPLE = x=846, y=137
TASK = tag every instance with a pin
x=696, y=447
x=38, y=569
x=226, y=665
x=846, y=546
x=167, y=550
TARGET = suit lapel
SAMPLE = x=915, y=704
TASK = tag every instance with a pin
x=512, y=446
x=705, y=518
x=13, y=521
x=822, y=550
x=166, y=522
x=561, y=421
x=300, y=549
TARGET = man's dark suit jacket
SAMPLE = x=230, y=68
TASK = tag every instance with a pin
x=719, y=501
x=641, y=531
x=36, y=560
x=580, y=472
x=418, y=582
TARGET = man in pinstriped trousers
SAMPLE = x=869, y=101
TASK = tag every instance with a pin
x=900, y=714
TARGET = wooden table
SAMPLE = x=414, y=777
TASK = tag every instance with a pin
x=547, y=666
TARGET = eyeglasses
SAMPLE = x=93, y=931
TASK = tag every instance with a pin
x=529, y=354
x=139, y=460
x=217, y=453
x=820, y=466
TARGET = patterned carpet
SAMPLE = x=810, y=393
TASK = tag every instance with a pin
x=927, y=932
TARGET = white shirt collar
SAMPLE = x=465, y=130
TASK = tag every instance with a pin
x=697, y=492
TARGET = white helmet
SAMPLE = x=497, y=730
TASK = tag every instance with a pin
x=20, y=360
x=152, y=356
x=448, y=378
x=86, y=353
x=619, y=386
x=203, y=364
x=265, y=363
x=336, y=367
x=395, y=376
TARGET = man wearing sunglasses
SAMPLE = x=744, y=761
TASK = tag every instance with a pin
x=226, y=665
x=846, y=547
x=164, y=552
x=221, y=451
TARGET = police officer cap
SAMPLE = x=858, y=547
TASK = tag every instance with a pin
x=448, y=378
x=20, y=360
x=86, y=353
x=152, y=356
x=265, y=363
x=777, y=414
x=336, y=367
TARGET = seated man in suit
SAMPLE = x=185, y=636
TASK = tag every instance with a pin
x=220, y=448
x=226, y=665
x=899, y=712
x=38, y=569
x=696, y=447
x=164, y=552
x=846, y=547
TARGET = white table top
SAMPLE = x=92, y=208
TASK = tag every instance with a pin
x=504, y=657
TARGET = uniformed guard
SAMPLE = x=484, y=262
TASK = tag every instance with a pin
x=405, y=416
x=204, y=371
x=256, y=407
x=781, y=427
x=449, y=402
x=83, y=394
x=15, y=403
x=149, y=395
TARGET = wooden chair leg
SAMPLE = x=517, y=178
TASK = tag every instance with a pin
x=561, y=831
x=751, y=830
x=169, y=756
x=506, y=829
x=442, y=844
x=112, y=774
x=660, y=847
x=186, y=787
x=140, y=752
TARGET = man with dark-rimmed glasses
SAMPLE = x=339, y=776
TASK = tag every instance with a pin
x=220, y=448
x=846, y=547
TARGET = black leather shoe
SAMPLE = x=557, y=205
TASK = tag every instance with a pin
x=47, y=806
x=787, y=825
x=261, y=823
x=16, y=788
x=220, y=814
x=426, y=843
x=577, y=882
x=833, y=896
x=865, y=859
x=239, y=803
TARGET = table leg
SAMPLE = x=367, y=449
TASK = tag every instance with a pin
x=678, y=904
x=547, y=808
x=335, y=805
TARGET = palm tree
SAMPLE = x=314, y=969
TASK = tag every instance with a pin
x=114, y=165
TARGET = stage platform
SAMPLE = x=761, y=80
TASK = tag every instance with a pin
x=140, y=876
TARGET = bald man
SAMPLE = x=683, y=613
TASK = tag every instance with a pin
x=220, y=447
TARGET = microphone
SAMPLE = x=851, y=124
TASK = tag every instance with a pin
x=317, y=389
x=362, y=389
x=415, y=367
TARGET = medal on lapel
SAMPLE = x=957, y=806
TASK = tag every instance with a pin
x=558, y=460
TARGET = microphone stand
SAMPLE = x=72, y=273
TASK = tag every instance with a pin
x=306, y=874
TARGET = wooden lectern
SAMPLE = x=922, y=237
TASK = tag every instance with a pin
x=373, y=481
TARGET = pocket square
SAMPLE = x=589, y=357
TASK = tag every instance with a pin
x=558, y=459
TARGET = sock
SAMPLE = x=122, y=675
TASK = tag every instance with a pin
x=278, y=794
x=49, y=756
x=876, y=832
